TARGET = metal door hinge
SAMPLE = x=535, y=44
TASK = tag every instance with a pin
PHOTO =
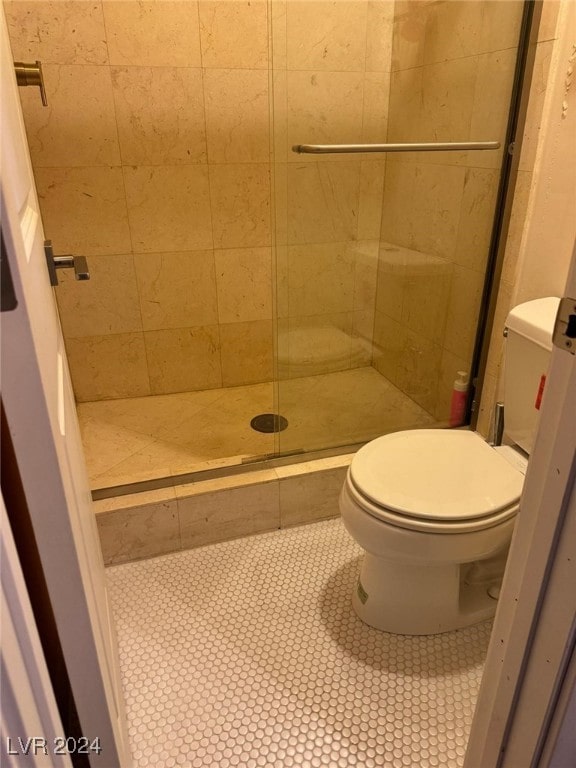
x=564, y=335
x=77, y=263
x=8, y=300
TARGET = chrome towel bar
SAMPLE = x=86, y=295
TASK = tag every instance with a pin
x=437, y=146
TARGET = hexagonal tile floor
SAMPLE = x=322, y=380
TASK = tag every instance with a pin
x=248, y=653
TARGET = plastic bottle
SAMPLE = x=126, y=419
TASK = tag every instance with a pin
x=459, y=398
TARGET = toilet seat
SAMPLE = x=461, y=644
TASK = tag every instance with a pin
x=443, y=481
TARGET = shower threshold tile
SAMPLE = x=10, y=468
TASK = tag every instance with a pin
x=248, y=653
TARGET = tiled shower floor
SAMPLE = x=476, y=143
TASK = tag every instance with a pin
x=248, y=653
x=136, y=439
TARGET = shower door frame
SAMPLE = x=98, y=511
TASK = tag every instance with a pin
x=503, y=211
x=518, y=104
x=517, y=114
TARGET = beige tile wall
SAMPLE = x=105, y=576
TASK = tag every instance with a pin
x=451, y=79
x=332, y=72
x=153, y=160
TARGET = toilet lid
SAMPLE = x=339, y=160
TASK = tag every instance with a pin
x=436, y=474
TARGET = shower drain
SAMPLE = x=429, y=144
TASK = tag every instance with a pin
x=269, y=422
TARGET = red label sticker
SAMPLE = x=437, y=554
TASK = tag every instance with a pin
x=540, y=394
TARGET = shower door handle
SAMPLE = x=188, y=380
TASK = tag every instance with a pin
x=434, y=146
x=67, y=261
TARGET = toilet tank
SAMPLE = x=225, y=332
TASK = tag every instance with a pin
x=527, y=356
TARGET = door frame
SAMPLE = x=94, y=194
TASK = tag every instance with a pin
x=528, y=678
x=29, y=708
x=529, y=674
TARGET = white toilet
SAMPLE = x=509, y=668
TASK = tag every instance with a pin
x=434, y=509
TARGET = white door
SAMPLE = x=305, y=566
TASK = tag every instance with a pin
x=40, y=411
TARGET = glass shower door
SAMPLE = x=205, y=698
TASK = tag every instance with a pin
x=381, y=258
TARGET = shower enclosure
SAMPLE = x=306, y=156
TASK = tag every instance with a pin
x=234, y=275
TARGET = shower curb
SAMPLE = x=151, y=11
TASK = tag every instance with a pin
x=143, y=525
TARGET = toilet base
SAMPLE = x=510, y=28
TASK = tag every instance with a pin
x=419, y=600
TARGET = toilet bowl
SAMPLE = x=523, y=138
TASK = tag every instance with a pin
x=434, y=509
